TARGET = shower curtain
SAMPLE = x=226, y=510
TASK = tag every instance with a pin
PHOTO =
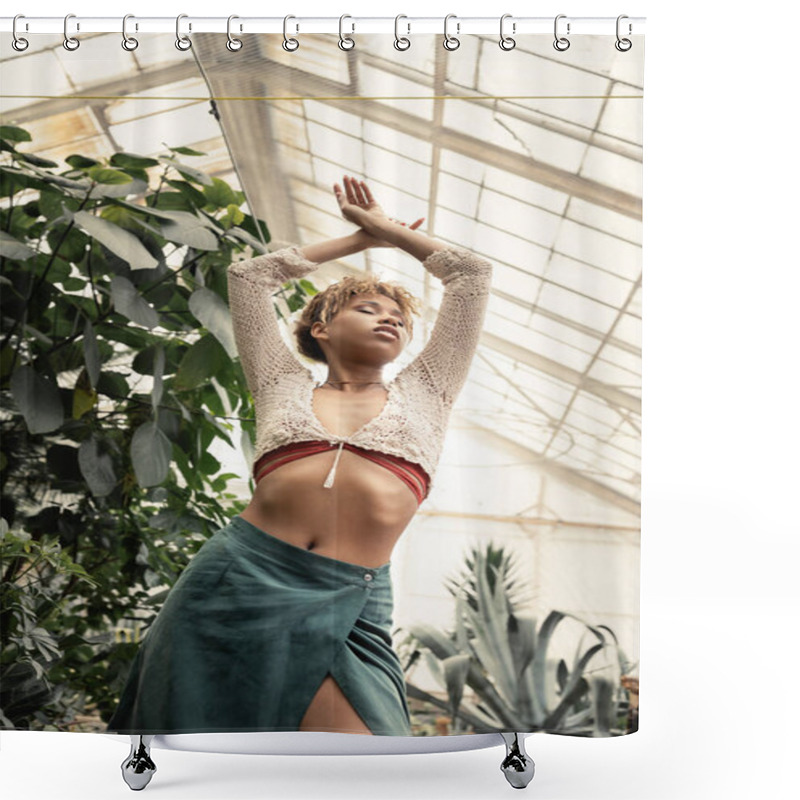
x=132, y=182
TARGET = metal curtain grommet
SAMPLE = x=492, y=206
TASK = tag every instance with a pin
x=450, y=42
x=507, y=42
x=623, y=45
x=561, y=43
x=401, y=42
x=128, y=42
x=345, y=42
x=233, y=44
x=18, y=43
x=289, y=44
x=70, y=42
x=182, y=42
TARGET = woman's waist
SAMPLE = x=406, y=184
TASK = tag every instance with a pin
x=359, y=516
x=356, y=545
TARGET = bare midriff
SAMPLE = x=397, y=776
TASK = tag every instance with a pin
x=359, y=519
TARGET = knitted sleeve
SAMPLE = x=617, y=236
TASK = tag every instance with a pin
x=445, y=360
x=264, y=354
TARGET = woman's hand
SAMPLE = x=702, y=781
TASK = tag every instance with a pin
x=357, y=203
x=359, y=206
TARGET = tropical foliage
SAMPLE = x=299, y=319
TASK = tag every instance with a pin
x=506, y=658
x=118, y=372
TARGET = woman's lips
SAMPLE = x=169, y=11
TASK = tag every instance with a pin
x=387, y=332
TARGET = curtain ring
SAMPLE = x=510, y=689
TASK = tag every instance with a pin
x=561, y=43
x=18, y=43
x=450, y=42
x=182, y=42
x=351, y=43
x=289, y=45
x=507, y=42
x=623, y=45
x=401, y=42
x=70, y=42
x=233, y=44
x=128, y=42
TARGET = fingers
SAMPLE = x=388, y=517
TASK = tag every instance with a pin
x=367, y=192
x=360, y=199
x=348, y=185
x=357, y=191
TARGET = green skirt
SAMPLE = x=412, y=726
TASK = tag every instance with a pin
x=248, y=633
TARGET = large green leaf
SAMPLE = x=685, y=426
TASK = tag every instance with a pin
x=146, y=210
x=38, y=399
x=134, y=186
x=129, y=302
x=113, y=384
x=97, y=468
x=11, y=133
x=57, y=206
x=219, y=194
x=456, y=669
x=131, y=160
x=194, y=197
x=186, y=228
x=30, y=158
x=110, y=176
x=212, y=312
x=120, y=242
x=243, y=236
x=151, y=452
x=190, y=173
x=186, y=151
x=81, y=162
x=14, y=249
x=204, y=358
x=91, y=352
x=57, y=180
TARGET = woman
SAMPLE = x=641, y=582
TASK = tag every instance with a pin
x=282, y=619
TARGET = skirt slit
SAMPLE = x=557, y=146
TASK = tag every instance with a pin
x=251, y=629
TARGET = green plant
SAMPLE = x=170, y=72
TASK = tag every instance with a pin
x=117, y=373
x=502, y=655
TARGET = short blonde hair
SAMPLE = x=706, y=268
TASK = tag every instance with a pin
x=324, y=306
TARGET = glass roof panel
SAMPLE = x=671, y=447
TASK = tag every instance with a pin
x=615, y=170
x=106, y=58
x=377, y=84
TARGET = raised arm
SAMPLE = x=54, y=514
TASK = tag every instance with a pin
x=251, y=284
x=445, y=360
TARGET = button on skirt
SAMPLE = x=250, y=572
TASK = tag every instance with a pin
x=250, y=630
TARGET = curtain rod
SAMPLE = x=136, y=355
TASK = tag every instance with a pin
x=407, y=25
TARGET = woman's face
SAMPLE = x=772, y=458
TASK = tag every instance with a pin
x=355, y=330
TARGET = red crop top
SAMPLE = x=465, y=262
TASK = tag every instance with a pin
x=413, y=474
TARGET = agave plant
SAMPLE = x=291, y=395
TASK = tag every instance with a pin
x=503, y=655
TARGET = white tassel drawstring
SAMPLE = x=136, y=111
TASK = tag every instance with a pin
x=329, y=480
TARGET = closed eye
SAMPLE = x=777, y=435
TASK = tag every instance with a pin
x=369, y=310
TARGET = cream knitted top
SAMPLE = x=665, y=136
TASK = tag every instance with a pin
x=413, y=422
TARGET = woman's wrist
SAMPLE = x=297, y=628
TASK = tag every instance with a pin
x=378, y=226
x=361, y=239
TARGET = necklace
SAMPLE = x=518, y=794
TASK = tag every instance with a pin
x=357, y=383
